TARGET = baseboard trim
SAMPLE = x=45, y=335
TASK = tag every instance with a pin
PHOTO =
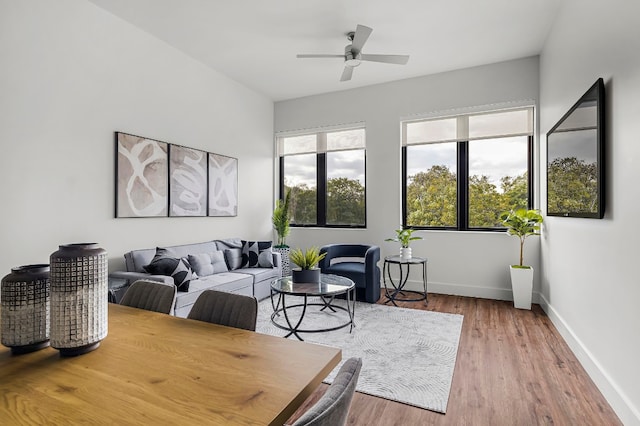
x=467, y=290
x=621, y=404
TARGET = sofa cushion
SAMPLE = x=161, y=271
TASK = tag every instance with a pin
x=208, y=263
x=260, y=274
x=251, y=250
x=352, y=270
x=224, y=281
x=165, y=263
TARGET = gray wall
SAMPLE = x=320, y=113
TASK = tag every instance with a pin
x=71, y=75
x=589, y=282
x=465, y=263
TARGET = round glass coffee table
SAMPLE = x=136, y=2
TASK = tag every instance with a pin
x=327, y=289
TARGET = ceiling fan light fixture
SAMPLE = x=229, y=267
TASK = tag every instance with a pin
x=349, y=59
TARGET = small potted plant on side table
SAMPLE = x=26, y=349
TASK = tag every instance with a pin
x=307, y=261
x=404, y=237
x=522, y=223
x=280, y=220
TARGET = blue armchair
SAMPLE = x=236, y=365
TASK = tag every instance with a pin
x=357, y=262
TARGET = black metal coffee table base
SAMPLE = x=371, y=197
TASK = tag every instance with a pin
x=293, y=325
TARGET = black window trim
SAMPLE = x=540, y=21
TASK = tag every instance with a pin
x=321, y=189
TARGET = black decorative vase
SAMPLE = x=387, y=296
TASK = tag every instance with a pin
x=79, y=287
x=305, y=275
x=25, y=308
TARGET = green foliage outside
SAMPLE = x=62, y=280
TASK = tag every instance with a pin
x=572, y=186
x=345, y=203
x=432, y=198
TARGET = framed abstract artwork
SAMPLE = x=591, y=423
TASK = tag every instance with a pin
x=187, y=181
x=223, y=185
x=141, y=177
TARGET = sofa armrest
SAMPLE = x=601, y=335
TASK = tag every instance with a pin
x=134, y=276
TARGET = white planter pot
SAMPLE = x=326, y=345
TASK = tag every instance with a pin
x=405, y=253
x=522, y=286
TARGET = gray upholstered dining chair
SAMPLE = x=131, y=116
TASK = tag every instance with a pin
x=332, y=408
x=150, y=295
x=232, y=310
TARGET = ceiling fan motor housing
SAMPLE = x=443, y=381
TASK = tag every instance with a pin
x=350, y=59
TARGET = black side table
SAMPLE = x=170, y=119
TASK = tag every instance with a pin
x=396, y=289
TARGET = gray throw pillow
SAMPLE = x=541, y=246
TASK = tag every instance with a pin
x=233, y=257
x=218, y=262
x=201, y=263
x=206, y=264
x=265, y=259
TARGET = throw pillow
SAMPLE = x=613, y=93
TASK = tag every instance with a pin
x=251, y=250
x=233, y=257
x=164, y=263
x=265, y=258
x=218, y=262
x=201, y=264
x=205, y=264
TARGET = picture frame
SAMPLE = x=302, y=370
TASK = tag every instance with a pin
x=187, y=181
x=223, y=185
x=141, y=187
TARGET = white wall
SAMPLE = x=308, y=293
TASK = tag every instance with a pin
x=589, y=280
x=465, y=263
x=73, y=74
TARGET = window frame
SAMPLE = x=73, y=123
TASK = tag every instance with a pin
x=462, y=182
x=321, y=179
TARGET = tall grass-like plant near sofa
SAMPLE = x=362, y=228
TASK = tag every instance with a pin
x=281, y=220
x=522, y=223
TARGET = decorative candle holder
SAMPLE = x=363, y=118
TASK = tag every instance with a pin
x=79, y=286
x=24, y=296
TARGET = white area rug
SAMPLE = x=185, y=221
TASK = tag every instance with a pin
x=408, y=355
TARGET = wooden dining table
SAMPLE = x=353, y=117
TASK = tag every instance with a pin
x=157, y=369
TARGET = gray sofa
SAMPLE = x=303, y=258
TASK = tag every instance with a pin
x=254, y=281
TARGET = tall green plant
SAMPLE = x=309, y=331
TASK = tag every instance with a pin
x=522, y=223
x=281, y=220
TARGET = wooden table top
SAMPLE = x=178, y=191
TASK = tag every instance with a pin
x=158, y=369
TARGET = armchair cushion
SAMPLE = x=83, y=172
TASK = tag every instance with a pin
x=358, y=262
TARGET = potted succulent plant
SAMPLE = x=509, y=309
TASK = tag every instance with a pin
x=307, y=261
x=404, y=237
x=280, y=220
x=522, y=223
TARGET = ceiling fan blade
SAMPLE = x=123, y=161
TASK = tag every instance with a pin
x=319, y=56
x=360, y=37
x=346, y=74
x=388, y=59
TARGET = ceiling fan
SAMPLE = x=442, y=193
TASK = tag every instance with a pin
x=353, y=53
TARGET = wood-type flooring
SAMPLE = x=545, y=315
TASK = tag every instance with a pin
x=513, y=368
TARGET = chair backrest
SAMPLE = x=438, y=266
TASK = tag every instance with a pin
x=150, y=295
x=232, y=310
x=333, y=407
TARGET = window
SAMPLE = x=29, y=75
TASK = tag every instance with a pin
x=325, y=172
x=461, y=172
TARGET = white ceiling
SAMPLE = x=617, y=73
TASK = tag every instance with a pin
x=255, y=42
